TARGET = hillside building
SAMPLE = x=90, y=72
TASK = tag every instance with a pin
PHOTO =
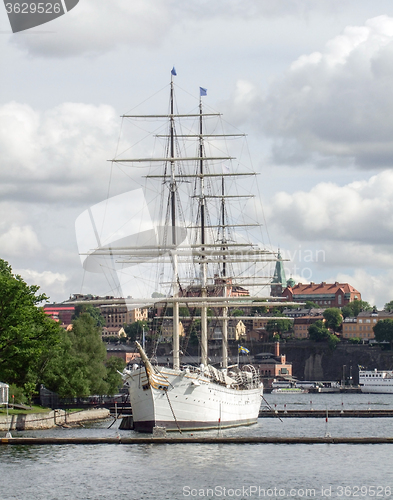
x=361, y=327
x=324, y=294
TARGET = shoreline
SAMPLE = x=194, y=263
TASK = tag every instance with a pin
x=51, y=419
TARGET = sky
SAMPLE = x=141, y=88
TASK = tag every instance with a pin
x=309, y=82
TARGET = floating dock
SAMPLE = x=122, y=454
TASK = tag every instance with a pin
x=193, y=440
x=323, y=413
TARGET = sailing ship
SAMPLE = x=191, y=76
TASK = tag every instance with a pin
x=198, y=397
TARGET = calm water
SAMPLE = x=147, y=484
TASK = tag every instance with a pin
x=212, y=471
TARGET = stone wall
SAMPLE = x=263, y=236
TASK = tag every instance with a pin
x=51, y=419
x=315, y=361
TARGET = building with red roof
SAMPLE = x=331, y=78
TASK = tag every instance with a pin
x=324, y=294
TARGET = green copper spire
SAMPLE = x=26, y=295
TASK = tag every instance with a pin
x=279, y=272
x=279, y=281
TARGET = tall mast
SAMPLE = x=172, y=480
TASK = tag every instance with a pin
x=173, y=187
x=204, y=358
x=225, y=289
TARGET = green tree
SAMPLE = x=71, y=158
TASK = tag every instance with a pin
x=94, y=312
x=237, y=312
x=279, y=326
x=27, y=334
x=311, y=305
x=383, y=331
x=259, y=310
x=333, y=318
x=389, y=306
x=318, y=331
x=355, y=307
x=333, y=340
x=195, y=331
x=76, y=367
x=135, y=330
x=113, y=378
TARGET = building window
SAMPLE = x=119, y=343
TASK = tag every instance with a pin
x=339, y=299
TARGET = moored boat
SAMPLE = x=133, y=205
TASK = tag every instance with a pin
x=210, y=266
x=376, y=381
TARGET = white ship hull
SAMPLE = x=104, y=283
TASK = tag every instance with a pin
x=189, y=401
x=374, y=381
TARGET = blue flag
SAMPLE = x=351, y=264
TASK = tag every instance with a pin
x=202, y=91
x=173, y=71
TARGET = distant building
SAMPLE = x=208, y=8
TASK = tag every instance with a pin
x=362, y=326
x=273, y=365
x=114, y=310
x=236, y=330
x=62, y=313
x=127, y=354
x=301, y=324
x=324, y=294
x=114, y=331
x=166, y=332
x=299, y=312
x=117, y=315
x=217, y=290
x=279, y=281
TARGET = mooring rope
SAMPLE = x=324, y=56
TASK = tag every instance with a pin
x=173, y=413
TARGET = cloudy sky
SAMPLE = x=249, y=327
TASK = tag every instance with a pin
x=310, y=82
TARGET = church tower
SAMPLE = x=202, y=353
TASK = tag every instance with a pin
x=279, y=282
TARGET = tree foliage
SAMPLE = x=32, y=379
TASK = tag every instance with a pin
x=259, y=310
x=113, y=378
x=94, y=312
x=318, y=331
x=134, y=330
x=311, y=305
x=26, y=333
x=389, y=306
x=355, y=307
x=35, y=350
x=279, y=326
x=333, y=318
x=383, y=331
x=77, y=364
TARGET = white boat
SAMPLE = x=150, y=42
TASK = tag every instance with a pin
x=202, y=396
x=376, y=381
x=192, y=398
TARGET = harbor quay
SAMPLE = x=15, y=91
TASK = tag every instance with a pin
x=40, y=421
x=194, y=440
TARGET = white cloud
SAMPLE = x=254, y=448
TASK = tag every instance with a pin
x=334, y=106
x=94, y=26
x=359, y=212
x=97, y=26
x=50, y=283
x=19, y=241
x=54, y=155
x=375, y=289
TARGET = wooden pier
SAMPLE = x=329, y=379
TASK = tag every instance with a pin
x=190, y=439
x=369, y=413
